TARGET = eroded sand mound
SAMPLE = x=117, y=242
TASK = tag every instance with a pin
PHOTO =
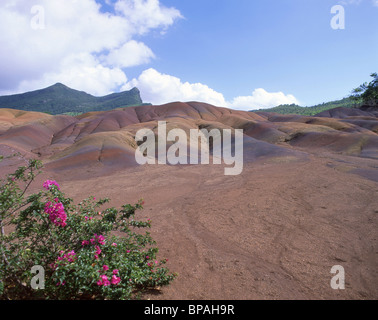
x=106, y=139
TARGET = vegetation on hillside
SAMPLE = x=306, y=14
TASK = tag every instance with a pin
x=311, y=111
x=366, y=93
x=59, y=99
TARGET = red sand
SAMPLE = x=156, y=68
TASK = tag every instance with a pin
x=306, y=200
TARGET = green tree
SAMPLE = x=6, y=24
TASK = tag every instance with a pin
x=367, y=92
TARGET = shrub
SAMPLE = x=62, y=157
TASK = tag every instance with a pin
x=76, y=245
x=367, y=92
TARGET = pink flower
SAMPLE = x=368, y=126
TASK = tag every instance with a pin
x=114, y=244
x=100, y=239
x=70, y=256
x=48, y=183
x=115, y=271
x=103, y=281
x=98, y=251
x=128, y=251
x=105, y=268
x=65, y=258
x=56, y=213
x=115, y=280
x=96, y=239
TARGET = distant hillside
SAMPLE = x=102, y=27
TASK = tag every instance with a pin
x=59, y=99
x=311, y=111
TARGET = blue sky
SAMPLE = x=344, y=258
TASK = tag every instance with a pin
x=289, y=46
x=241, y=54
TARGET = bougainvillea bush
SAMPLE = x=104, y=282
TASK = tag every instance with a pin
x=85, y=252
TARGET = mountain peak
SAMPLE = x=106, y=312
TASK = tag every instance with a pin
x=58, y=85
x=59, y=98
x=135, y=89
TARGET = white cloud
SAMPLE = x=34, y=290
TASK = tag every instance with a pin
x=261, y=99
x=72, y=30
x=147, y=14
x=88, y=49
x=131, y=54
x=81, y=72
x=158, y=88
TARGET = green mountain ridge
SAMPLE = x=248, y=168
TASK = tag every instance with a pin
x=59, y=99
x=313, y=110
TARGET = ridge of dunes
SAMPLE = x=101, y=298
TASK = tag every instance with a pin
x=106, y=138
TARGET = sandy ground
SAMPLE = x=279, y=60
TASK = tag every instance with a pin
x=273, y=232
x=307, y=199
